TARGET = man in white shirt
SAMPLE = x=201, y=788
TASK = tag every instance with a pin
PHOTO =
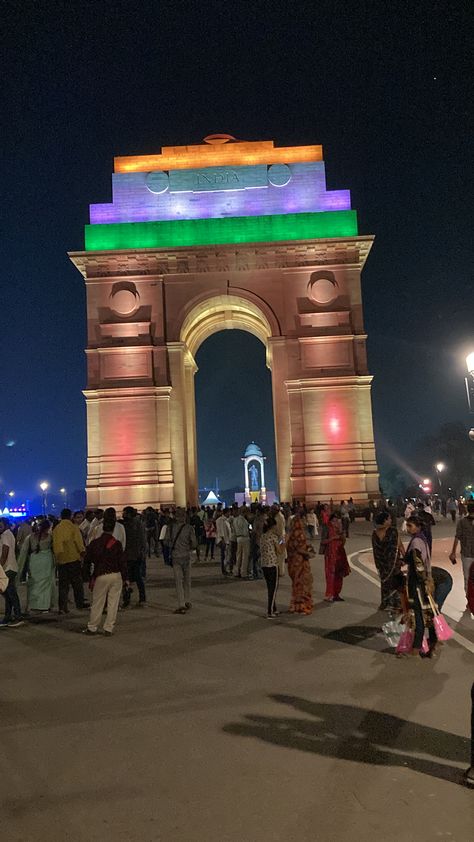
x=242, y=534
x=8, y=561
x=118, y=533
x=223, y=539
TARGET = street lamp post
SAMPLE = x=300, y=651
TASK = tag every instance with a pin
x=440, y=466
x=63, y=491
x=44, y=487
x=469, y=381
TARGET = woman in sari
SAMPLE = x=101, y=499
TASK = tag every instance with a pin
x=388, y=554
x=336, y=565
x=37, y=557
x=299, y=568
x=420, y=586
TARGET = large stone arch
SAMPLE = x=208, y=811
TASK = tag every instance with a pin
x=277, y=255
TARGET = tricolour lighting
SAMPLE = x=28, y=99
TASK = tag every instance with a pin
x=220, y=231
x=206, y=155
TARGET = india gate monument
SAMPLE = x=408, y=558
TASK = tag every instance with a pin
x=198, y=239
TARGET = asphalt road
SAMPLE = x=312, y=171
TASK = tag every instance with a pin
x=221, y=726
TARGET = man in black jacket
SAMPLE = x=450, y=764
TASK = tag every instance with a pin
x=135, y=553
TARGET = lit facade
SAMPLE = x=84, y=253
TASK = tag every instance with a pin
x=203, y=238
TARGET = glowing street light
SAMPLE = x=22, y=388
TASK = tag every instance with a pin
x=440, y=466
x=63, y=491
x=11, y=493
x=470, y=363
x=44, y=487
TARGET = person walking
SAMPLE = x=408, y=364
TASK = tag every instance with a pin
x=388, y=553
x=37, y=561
x=135, y=552
x=299, y=568
x=242, y=534
x=451, y=508
x=105, y=558
x=465, y=538
x=12, y=617
x=68, y=549
x=270, y=551
x=336, y=566
x=180, y=540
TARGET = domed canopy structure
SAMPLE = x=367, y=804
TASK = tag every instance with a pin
x=253, y=450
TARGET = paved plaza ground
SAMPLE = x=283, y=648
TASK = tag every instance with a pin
x=220, y=726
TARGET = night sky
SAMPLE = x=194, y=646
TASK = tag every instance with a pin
x=385, y=87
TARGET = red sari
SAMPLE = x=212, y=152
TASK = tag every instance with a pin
x=299, y=569
x=336, y=565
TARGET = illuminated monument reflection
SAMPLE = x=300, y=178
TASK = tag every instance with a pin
x=198, y=239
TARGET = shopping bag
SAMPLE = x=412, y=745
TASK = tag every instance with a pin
x=392, y=631
x=443, y=630
x=405, y=644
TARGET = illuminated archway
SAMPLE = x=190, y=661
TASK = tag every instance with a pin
x=218, y=235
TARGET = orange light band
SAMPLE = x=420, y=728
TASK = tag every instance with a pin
x=228, y=154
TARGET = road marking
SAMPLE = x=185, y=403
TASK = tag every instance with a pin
x=459, y=638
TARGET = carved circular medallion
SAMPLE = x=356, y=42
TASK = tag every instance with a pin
x=124, y=301
x=157, y=182
x=322, y=290
x=279, y=175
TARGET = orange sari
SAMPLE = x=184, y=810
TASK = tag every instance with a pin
x=299, y=569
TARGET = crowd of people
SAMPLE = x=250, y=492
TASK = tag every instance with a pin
x=94, y=553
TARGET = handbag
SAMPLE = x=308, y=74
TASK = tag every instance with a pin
x=3, y=580
x=442, y=629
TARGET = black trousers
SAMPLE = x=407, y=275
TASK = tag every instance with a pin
x=271, y=575
x=70, y=574
x=135, y=574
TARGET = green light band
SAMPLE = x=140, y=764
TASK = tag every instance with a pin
x=207, y=232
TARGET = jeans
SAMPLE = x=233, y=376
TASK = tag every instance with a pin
x=70, y=574
x=222, y=548
x=441, y=592
x=135, y=574
x=182, y=578
x=271, y=578
x=12, y=601
x=466, y=566
x=210, y=544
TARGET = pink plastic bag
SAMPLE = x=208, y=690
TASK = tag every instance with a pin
x=443, y=630
x=405, y=644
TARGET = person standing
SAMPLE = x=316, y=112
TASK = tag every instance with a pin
x=420, y=584
x=465, y=537
x=180, y=540
x=68, y=549
x=105, y=558
x=312, y=523
x=270, y=559
x=299, y=567
x=223, y=538
x=242, y=534
x=388, y=552
x=37, y=560
x=451, y=508
x=210, y=530
x=336, y=565
x=135, y=552
x=12, y=617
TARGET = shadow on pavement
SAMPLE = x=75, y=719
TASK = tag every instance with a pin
x=360, y=735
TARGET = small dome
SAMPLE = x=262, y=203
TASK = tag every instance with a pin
x=253, y=450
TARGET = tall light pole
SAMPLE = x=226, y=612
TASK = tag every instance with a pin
x=44, y=487
x=440, y=467
x=63, y=491
x=469, y=381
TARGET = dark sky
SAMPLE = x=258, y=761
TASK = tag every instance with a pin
x=385, y=87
